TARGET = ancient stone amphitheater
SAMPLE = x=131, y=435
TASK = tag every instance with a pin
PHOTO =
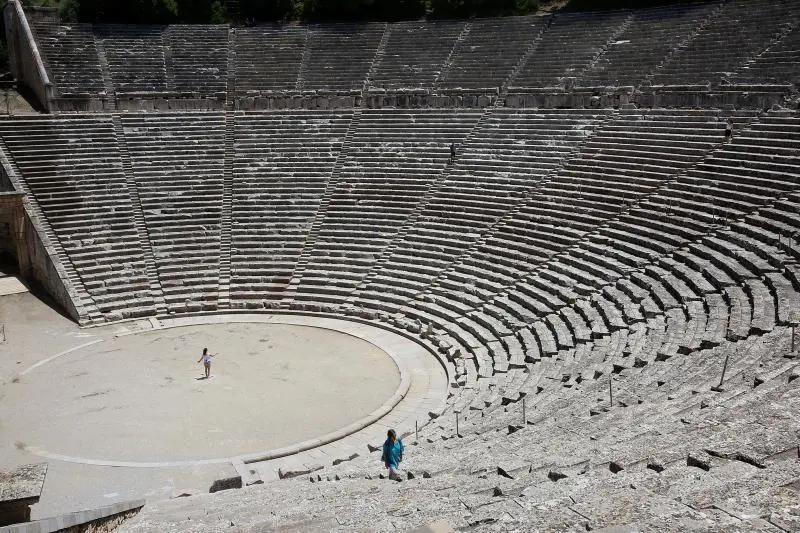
x=594, y=235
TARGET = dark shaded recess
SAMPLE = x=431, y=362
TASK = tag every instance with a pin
x=606, y=5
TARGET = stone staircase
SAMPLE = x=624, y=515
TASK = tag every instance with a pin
x=88, y=313
x=169, y=67
x=304, y=60
x=230, y=93
x=686, y=41
x=782, y=33
x=432, y=189
x=139, y=222
x=511, y=214
x=319, y=218
x=108, y=83
x=448, y=62
x=227, y=208
x=611, y=40
x=376, y=61
x=526, y=56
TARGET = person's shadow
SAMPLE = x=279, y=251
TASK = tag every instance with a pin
x=201, y=378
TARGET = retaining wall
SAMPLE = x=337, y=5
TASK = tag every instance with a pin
x=24, y=59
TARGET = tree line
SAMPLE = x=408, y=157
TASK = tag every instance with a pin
x=221, y=11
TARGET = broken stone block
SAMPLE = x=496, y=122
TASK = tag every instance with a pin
x=501, y=472
x=697, y=462
x=286, y=474
x=340, y=461
x=234, y=482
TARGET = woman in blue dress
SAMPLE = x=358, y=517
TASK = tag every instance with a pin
x=392, y=454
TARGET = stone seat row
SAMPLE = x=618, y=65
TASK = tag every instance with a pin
x=475, y=54
x=562, y=271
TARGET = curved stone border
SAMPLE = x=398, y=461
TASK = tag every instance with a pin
x=288, y=319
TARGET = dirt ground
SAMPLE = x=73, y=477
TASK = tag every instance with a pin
x=121, y=415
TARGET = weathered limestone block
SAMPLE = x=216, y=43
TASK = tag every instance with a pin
x=19, y=489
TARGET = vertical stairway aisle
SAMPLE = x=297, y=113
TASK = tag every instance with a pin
x=224, y=301
x=108, y=82
x=225, y=248
x=319, y=218
x=139, y=222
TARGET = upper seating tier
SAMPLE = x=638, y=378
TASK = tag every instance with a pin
x=696, y=45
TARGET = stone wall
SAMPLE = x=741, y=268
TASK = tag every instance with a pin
x=12, y=226
x=700, y=97
x=24, y=59
x=705, y=97
x=138, y=102
x=374, y=99
x=99, y=520
x=756, y=97
x=35, y=260
x=710, y=97
x=5, y=183
x=42, y=269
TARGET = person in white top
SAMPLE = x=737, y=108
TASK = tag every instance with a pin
x=206, y=359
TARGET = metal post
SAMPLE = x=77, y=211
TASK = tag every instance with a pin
x=416, y=431
x=724, y=368
x=524, y=418
x=793, y=326
x=610, y=394
x=457, y=424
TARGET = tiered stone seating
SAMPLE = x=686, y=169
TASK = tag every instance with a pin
x=488, y=54
x=394, y=157
x=509, y=155
x=71, y=56
x=135, y=56
x=650, y=38
x=777, y=64
x=415, y=54
x=177, y=162
x=559, y=253
x=340, y=55
x=747, y=173
x=73, y=169
x=199, y=57
x=625, y=159
x=268, y=56
x=568, y=47
x=771, y=234
x=725, y=44
x=683, y=45
x=282, y=163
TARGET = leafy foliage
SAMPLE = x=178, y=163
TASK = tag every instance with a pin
x=481, y=8
x=202, y=11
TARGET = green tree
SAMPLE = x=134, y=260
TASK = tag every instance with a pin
x=129, y=11
x=481, y=8
x=219, y=15
x=266, y=9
